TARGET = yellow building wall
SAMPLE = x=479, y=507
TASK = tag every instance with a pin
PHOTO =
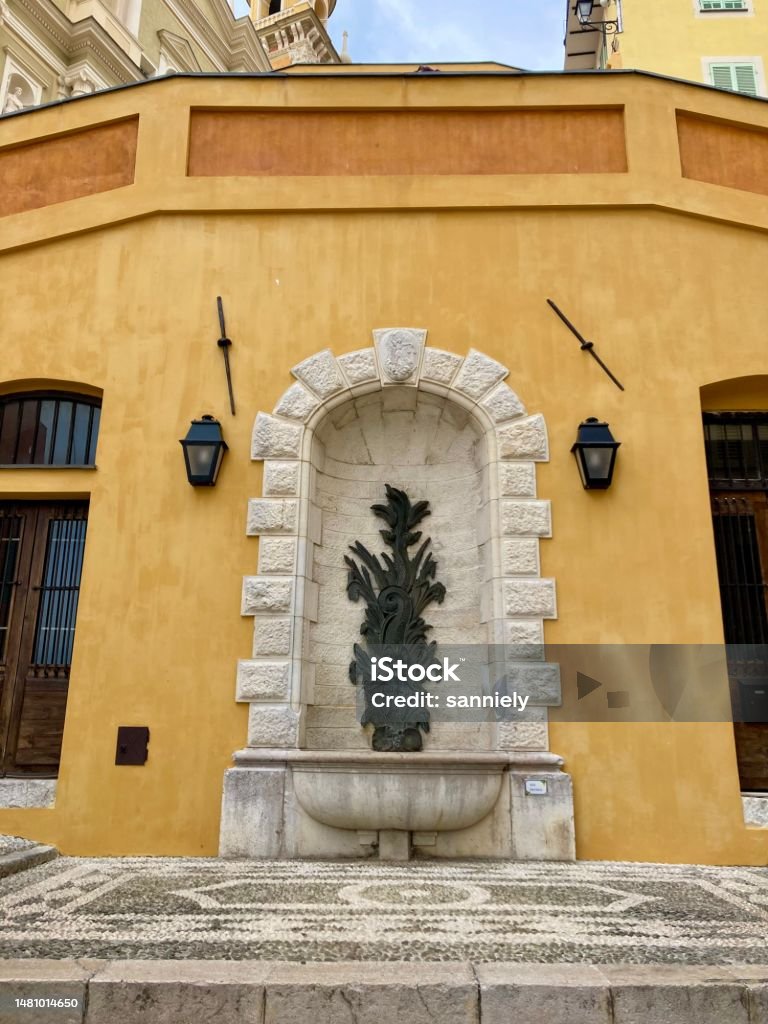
x=130, y=308
x=672, y=37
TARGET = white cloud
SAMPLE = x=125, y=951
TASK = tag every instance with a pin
x=519, y=32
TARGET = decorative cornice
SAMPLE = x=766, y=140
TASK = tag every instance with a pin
x=237, y=36
x=44, y=19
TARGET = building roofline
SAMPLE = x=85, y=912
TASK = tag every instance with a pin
x=411, y=75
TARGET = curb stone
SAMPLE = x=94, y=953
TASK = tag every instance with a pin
x=273, y=992
x=21, y=860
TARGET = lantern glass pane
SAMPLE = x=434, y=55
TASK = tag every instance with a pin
x=598, y=462
x=202, y=458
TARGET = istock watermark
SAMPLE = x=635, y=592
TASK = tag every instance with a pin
x=384, y=670
x=416, y=684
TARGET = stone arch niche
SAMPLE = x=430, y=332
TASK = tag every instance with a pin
x=449, y=429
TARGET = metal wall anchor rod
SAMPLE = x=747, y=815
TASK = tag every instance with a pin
x=224, y=343
x=587, y=346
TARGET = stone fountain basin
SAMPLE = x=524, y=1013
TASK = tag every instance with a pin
x=429, y=791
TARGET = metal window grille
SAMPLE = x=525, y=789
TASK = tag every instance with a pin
x=59, y=592
x=742, y=590
x=48, y=429
x=737, y=451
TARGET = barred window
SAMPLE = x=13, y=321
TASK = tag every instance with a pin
x=737, y=450
x=48, y=428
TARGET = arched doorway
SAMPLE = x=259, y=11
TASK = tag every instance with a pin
x=735, y=414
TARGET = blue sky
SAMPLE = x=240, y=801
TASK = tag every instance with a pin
x=525, y=33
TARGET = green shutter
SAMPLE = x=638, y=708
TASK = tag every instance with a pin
x=735, y=77
x=722, y=76
x=746, y=78
x=722, y=5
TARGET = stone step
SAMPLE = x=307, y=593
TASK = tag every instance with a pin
x=23, y=859
x=267, y=992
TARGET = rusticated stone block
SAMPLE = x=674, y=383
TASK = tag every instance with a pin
x=271, y=636
x=359, y=366
x=297, y=403
x=478, y=374
x=522, y=633
x=371, y=993
x=266, y=594
x=321, y=373
x=281, y=478
x=520, y=557
x=517, y=479
x=277, y=555
x=503, y=404
x=440, y=366
x=529, y=597
x=263, y=681
x=537, y=680
x=524, y=439
x=272, y=515
x=523, y=736
x=543, y=994
x=273, y=725
x=531, y=518
x=275, y=439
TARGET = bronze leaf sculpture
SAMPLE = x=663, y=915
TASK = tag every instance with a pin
x=396, y=588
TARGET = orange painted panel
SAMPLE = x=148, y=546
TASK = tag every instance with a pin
x=538, y=141
x=80, y=164
x=723, y=153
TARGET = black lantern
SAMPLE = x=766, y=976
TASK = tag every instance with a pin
x=595, y=450
x=204, y=449
x=584, y=11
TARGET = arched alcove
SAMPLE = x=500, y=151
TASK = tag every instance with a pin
x=435, y=450
x=483, y=419
x=450, y=429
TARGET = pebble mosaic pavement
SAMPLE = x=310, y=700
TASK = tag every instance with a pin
x=168, y=908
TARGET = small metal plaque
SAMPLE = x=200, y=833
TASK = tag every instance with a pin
x=535, y=787
x=132, y=744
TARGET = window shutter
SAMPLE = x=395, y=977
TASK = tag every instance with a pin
x=746, y=78
x=722, y=5
x=722, y=76
x=735, y=77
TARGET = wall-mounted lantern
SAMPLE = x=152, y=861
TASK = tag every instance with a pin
x=584, y=11
x=204, y=448
x=595, y=450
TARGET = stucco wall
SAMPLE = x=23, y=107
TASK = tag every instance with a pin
x=130, y=308
x=673, y=37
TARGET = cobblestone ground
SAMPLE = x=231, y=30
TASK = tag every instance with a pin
x=480, y=911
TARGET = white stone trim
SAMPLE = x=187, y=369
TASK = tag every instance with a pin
x=277, y=681
x=25, y=793
x=755, y=808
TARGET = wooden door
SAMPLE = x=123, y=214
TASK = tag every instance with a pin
x=740, y=522
x=41, y=558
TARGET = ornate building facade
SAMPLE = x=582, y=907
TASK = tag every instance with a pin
x=175, y=660
x=55, y=49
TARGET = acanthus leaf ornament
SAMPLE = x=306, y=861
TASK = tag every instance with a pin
x=397, y=589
